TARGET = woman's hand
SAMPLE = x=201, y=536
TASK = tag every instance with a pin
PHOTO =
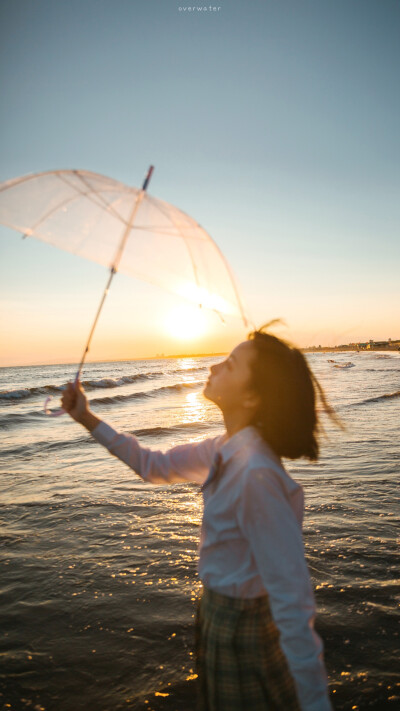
x=74, y=401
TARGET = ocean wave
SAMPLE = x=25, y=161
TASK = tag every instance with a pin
x=91, y=384
x=117, y=382
x=8, y=421
x=16, y=394
x=195, y=369
x=29, y=450
x=52, y=389
x=380, y=370
x=177, y=387
x=166, y=431
x=378, y=398
x=18, y=418
x=110, y=399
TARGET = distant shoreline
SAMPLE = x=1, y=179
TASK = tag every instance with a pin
x=308, y=349
x=118, y=360
x=348, y=349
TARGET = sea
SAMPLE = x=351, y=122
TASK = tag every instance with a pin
x=98, y=582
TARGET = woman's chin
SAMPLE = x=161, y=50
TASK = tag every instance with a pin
x=207, y=392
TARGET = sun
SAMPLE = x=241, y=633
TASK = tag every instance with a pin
x=185, y=323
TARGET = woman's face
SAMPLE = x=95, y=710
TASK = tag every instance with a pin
x=229, y=383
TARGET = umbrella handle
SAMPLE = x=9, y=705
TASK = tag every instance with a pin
x=60, y=410
x=52, y=413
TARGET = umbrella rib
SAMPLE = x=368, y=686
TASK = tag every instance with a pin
x=32, y=176
x=129, y=225
x=157, y=205
x=92, y=192
x=49, y=213
x=233, y=282
x=108, y=205
x=227, y=267
x=149, y=228
x=66, y=202
x=88, y=196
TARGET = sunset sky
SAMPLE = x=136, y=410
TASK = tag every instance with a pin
x=273, y=123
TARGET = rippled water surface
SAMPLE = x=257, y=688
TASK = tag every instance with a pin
x=98, y=570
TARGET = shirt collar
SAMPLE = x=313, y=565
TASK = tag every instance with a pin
x=232, y=445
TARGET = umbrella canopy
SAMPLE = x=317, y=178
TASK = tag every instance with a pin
x=91, y=215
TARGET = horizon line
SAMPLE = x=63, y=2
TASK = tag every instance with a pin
x=310, y=349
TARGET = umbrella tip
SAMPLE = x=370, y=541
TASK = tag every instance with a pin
x=148, y=176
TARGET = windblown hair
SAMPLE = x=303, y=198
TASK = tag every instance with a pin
x=287, y=418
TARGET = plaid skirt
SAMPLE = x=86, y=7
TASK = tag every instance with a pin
x=240, y=665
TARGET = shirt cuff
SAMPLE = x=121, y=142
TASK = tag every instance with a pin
x=104, y=434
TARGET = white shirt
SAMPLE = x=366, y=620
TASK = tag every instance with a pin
x=251, y=536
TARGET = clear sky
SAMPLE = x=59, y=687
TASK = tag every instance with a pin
x=274, y=123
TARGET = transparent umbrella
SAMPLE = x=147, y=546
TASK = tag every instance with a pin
x=126, y=230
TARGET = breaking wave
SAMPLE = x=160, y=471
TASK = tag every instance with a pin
x=178, y=387
x=8, y=421
x=378, y=398
x=89, y=385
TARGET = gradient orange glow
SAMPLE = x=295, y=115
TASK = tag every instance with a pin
x=186, y=323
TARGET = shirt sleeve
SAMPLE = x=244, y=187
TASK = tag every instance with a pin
x=185, y=462
x=268, y=522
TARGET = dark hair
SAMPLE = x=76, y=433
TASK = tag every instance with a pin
x=287, y=419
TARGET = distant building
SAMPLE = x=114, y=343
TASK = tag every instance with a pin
x=371, y=345
x=383, y=345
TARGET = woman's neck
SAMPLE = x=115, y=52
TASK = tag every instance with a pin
x=235, y=421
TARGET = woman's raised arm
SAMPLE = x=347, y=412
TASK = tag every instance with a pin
x=185, y=462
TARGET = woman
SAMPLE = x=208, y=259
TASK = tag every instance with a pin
x=256, y=647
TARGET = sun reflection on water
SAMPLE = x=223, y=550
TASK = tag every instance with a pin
x=185, y=364
x=195, y=408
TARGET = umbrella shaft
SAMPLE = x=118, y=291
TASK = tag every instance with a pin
x=125, y=236
x=103, y=298
x=115, y=265
x=131, y=218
